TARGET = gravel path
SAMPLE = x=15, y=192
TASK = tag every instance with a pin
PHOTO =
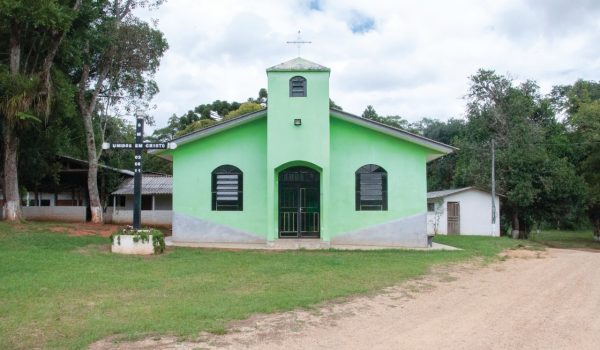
x=533, y=300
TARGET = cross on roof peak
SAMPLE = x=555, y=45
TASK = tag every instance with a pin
x=298, y=42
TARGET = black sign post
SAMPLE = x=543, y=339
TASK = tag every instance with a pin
x=138, y=146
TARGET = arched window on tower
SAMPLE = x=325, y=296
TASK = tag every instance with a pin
x=371, y=188
x=227, y=188
x=298, y=87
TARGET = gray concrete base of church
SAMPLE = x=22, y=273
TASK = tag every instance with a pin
x=410, y=231
x=187, y=228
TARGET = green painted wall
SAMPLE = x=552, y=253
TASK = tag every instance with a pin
x=334, y=147
x=353, y=146
x=245, y=147
x=288, y=144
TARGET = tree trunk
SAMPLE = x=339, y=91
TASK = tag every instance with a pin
x=12, y=200
x=12, y=206
x=595, y=220
x=92, y=178
x=14, y=48
x=515, y=225
x=87, y=111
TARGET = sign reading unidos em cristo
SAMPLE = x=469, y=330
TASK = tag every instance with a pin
x=138, y=146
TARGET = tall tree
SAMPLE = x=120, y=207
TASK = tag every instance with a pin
x=34, y=31
x=518, y=119
x=121, y=54
x=581, y=103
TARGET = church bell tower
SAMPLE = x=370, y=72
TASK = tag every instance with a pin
x=297, y=131
x=298, y=113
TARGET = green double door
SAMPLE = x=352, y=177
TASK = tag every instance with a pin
x=299, y=203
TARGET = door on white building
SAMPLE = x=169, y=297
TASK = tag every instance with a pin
x=453, y=218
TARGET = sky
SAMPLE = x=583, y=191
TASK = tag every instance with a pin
x=407, y=58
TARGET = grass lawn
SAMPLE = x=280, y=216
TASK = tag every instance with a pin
x=566, y=239
x=61, y=291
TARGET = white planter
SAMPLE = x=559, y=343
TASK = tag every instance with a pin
x=124, y=244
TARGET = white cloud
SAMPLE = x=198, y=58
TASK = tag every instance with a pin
x=413, y=60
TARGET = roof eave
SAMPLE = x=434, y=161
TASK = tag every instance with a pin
x=211, y=130
x=440, y=147
x=298, y=64
x=270, y=70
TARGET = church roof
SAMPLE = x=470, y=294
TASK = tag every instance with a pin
x=440, y=147
x=298, y=64
x=216, y=128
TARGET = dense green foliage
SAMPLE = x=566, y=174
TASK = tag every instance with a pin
x=51, y=48
x=539, y=182
x=58, y=291
x=581, y=104
x=547, y=150
x=31, y=33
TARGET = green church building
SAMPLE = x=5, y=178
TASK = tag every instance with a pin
x=299, y=169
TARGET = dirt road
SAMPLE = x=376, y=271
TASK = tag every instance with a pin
x=548, y=300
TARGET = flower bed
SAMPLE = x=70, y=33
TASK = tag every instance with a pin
x=138, y=242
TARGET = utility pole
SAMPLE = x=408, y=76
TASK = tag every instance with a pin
x=493, y=189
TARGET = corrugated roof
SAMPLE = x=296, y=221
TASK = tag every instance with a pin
x=151, y=184
x=298, y=64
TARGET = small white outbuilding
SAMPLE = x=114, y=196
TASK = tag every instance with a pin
x=462, y=211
